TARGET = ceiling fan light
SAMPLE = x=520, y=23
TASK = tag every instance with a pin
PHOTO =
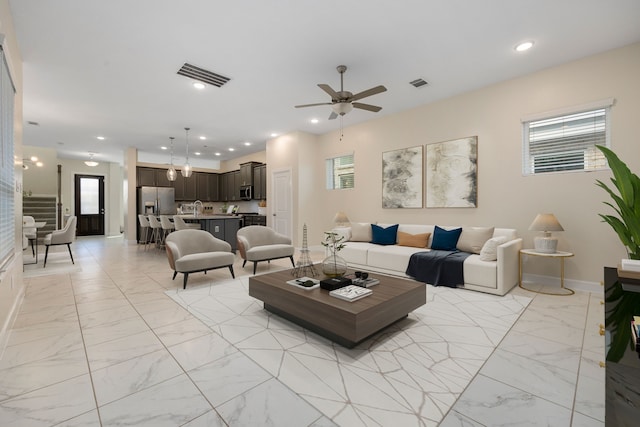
x=342, y=108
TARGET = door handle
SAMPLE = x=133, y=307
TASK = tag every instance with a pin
x=102, y=211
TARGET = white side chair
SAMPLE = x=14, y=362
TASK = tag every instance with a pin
x=66, y=236
x=191, y=251
x=259, y=243
x=156, y=230
x=144, y=229
x=180, y=224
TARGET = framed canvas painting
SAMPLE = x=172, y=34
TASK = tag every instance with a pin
x=402, y=178
x=452, y=173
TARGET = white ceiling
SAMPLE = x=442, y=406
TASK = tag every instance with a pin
x=109, y=67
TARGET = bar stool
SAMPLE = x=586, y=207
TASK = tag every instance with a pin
x=167, y=226
x=144, y=227
x=156, y=227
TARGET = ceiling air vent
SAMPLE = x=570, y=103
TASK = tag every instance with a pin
x=418, y=83
x=202, y=75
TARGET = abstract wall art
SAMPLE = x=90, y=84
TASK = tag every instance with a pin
x=452, y=173
x=402, y=178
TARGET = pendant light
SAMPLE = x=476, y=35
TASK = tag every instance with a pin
x=171, y=172
x=186, y=169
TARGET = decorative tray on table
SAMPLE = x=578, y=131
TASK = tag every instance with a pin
x=306, y=283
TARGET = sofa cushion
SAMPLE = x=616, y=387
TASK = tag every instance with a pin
x=384, y=236
x=344, y=232
x=395, y=258
x=413, y=240
x=204, y=261
x=480, y=273
x=260, y=253
x=360, y=232
x=489, y=251
x=355, y=252
x=473, y=238
x=445, y=240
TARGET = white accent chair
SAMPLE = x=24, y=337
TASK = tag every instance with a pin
x=180, y=224
x=259, y=243
x=192, y=251
x=167, y=226
x=66, y=236
x=156, y=228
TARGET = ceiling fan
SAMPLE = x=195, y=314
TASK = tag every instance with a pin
x=342, y=102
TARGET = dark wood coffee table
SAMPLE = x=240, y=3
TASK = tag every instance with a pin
x=344, y=322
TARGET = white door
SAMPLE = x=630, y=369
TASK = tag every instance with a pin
x=282, y=202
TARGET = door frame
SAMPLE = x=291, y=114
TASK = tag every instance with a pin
x=103, y=199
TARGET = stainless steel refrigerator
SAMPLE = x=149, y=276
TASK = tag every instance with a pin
x=155, y=201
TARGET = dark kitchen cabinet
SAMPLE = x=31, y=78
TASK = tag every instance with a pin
x=233, y=186
x=223, y=179
x=246, y=173
x=260, y=182
x=202, y=186
x=146, y=177
x=214, y=195
x=185, y=188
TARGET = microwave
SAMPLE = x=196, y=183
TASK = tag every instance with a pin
x=246, y=192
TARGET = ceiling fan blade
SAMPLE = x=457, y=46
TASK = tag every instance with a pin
x=313, y=105
x=333, y=115
x=368, y=92
x=367, y=107
x=332, y=93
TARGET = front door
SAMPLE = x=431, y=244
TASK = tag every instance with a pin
x=89, y=202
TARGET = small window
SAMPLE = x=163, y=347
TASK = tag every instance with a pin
x=566, y=143
x=340, y=172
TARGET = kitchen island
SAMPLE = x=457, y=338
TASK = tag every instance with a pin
x=224, y=227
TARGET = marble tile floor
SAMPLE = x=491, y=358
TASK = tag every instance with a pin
x=103, y=345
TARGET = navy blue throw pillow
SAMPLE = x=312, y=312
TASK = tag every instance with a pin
x=384, y=236
x=445, y=240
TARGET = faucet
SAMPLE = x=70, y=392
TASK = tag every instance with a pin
x=195, y=207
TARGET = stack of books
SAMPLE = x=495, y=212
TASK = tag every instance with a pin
x=351, y=293
x=635, y=332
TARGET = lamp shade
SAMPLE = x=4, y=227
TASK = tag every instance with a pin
x=545, y=222
x=341, y=218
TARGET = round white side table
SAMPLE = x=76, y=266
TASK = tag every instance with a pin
x=558, y=255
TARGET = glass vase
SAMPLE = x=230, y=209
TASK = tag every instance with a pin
x=334, y=266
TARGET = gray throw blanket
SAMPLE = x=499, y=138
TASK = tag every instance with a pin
x=438, y=267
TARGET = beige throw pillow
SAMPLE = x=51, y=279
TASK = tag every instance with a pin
x=489, y=251
x=473, y=239
x=361, y=232
x=413, y=240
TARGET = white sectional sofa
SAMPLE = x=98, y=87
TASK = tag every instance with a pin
x=481, y=273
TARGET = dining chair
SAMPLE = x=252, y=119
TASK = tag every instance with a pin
x=66, y=236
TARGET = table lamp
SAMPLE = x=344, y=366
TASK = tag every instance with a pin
x=341, y=219
x=546, y=223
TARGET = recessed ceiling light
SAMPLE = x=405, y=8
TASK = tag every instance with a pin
x=232, y=149
x=100, y=138
x=39, y=164
x=163, y=148
x=34, y=159
x=203, y=137
x=273, y=135
x=198, y=85
x=197, y=153
x=247, y=143
x=314, y=121
x=218, y=154
x=524, y=46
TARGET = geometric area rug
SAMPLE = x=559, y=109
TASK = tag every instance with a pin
x=410, y=373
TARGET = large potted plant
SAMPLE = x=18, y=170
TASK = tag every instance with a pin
x=626, y=224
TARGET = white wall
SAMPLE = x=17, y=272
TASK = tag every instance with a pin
x=506, y=198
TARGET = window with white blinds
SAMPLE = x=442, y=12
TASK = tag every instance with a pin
x=7, y=223
x=340, y=172
x=566, y=142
